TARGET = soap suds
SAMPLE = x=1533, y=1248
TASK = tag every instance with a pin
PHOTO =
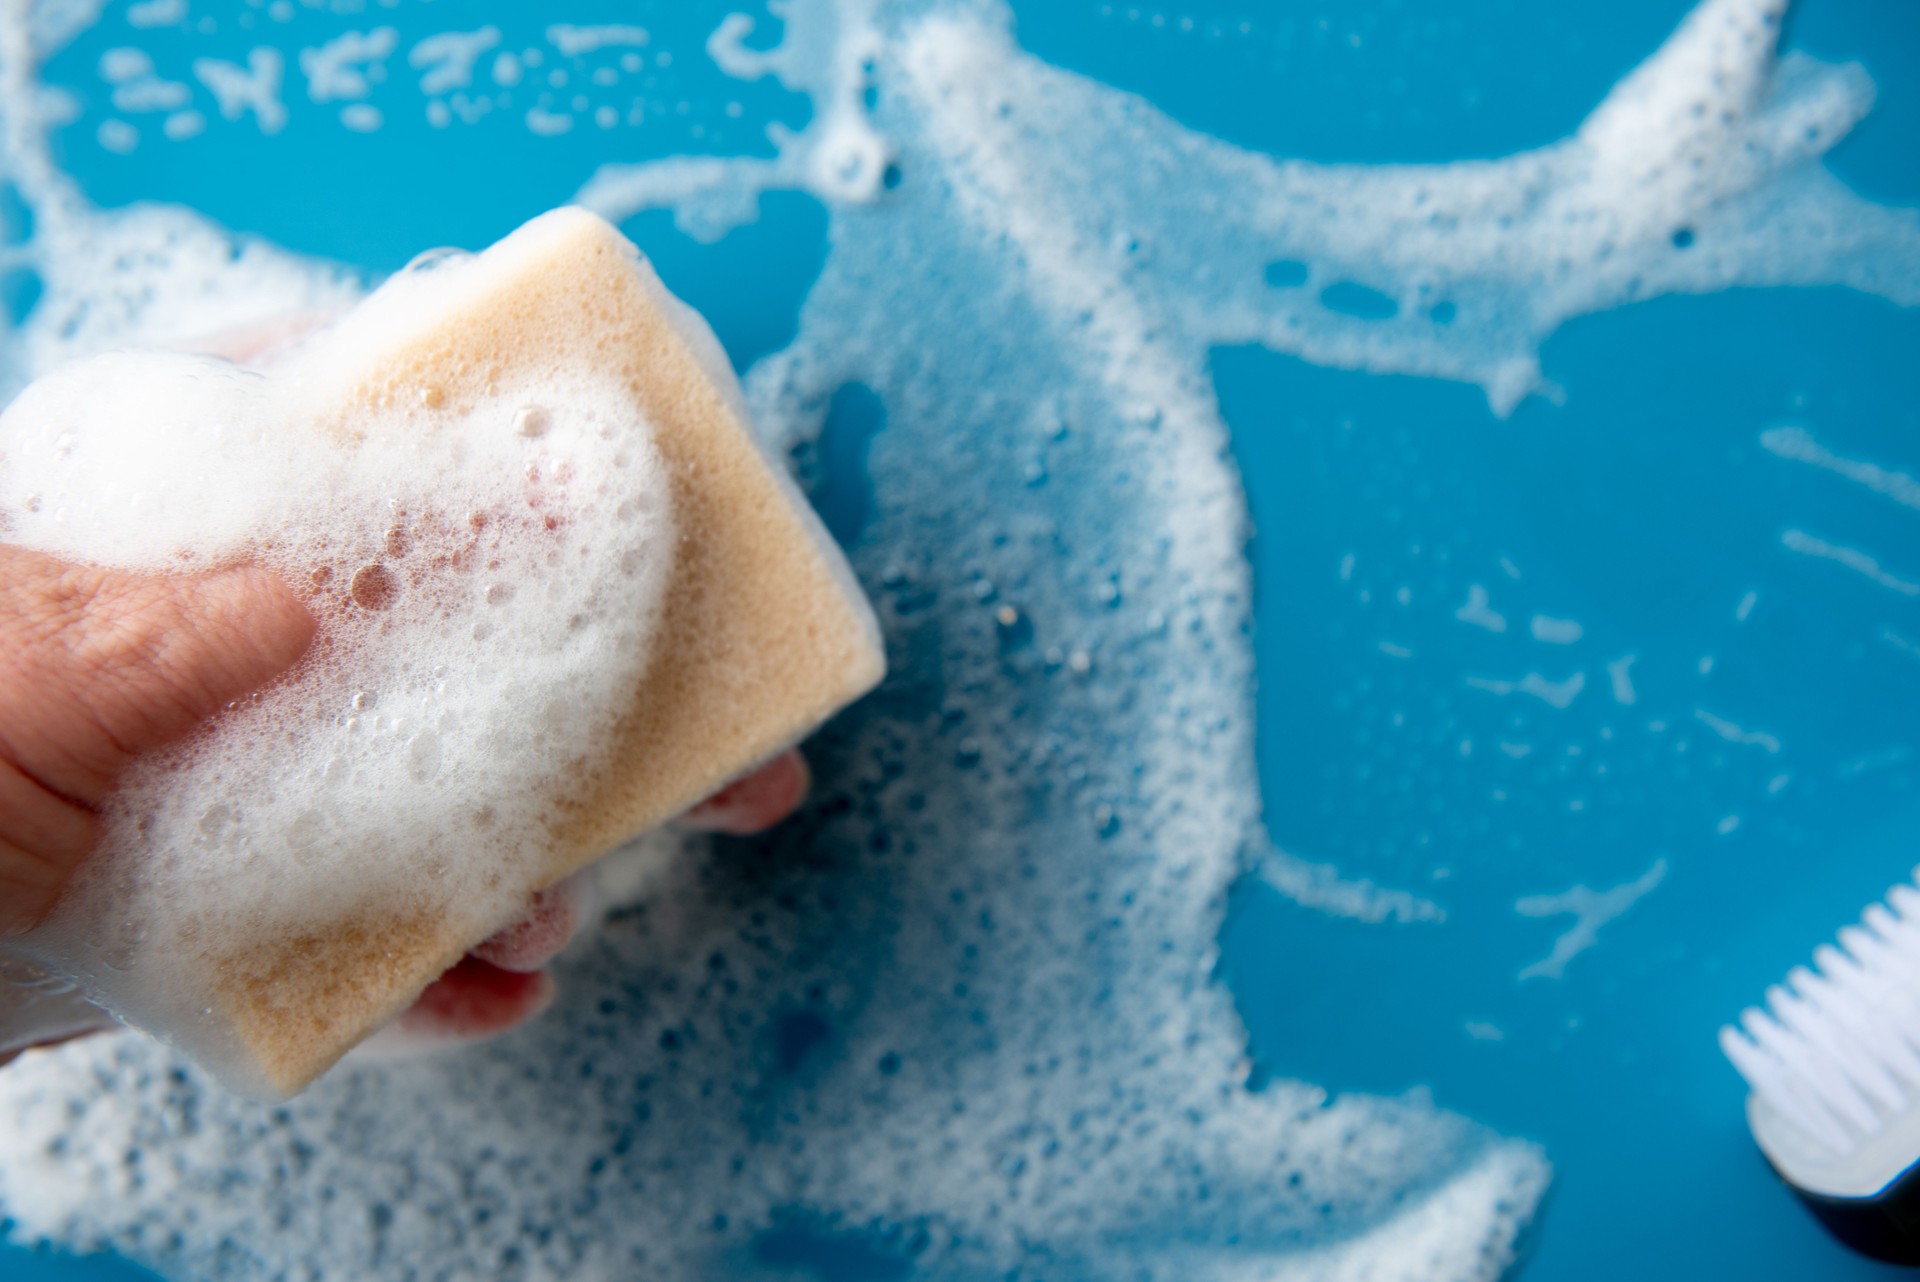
x=337, y=69
x=253, y=88
x=486, y=602
x=1516, y=247
x=1620, y=675
x=573, y=41
x=1864, y=564
x=1320, y=887
x=1555, y=694
x=1479, y=610
x=1554, y=631
x=1590, y=910
x=445, y=61
x=963, y=1014
x=1735, y=734
x=1798, y=445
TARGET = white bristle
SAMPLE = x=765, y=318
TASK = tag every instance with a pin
x=1836, y=1051
x=1816, y=1016
x=1768, y=1076
x=1863, y=1003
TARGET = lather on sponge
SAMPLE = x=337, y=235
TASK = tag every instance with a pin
x=562, y=596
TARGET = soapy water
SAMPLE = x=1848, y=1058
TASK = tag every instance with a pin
x=960, y=1017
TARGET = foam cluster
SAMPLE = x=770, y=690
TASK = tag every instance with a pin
x=486, y=561
x=964, y=1017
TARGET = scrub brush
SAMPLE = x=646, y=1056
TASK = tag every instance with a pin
x=1834, y=1063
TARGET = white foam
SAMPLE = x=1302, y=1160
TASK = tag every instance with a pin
x=1555, y=694
x=446, y=60
x=1648, y=197
x=156, y=13
x=486, y=600
x=1554, y=631
x=1620, y=674
x=1590, y=909
x=1000, y=948
x=338, y=69
x=1735, y=734
x=1479, y=611
x=1796, y=443
x=253, y=88
x=574, y=40
x=1864, y=564
x=1320, y=887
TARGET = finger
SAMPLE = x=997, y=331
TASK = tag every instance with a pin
x=756, y=801
x=475, y=999
x=541, y=933
x=98, y=666
x=7, y=1057
x=42, y=839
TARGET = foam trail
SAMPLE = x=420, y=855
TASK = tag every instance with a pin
x=964, y=1011
x=1555, y=694
x=143, y=276
x=1591, y=909
x=1480, y=260
x=1861, y=563
x=1320, y=887
x=1479, y=612
x=1798, y=445
x=1735, y=734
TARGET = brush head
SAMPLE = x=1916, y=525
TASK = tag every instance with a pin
x=1833, y=1059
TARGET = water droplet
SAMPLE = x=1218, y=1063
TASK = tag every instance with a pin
x=364, y=699
x=372, y=588
x=304, y=833
x=531, y=421
x=214, y=819
x=433, y=397
x=423, y=757
x=499, y=593
x=434, y=259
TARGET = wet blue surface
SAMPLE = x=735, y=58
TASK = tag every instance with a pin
x=1642, y=506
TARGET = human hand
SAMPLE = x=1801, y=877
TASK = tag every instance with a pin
x=99, y=666
x=502, y=982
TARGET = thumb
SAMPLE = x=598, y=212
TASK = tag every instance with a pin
x=98, y=666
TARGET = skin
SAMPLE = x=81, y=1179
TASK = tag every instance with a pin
x=99, y=666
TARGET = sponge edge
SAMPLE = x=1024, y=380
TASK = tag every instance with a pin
x=761, y=631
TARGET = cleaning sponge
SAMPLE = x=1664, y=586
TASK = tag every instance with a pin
x=562, y=595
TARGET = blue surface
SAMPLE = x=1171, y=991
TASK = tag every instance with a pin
x=1642, y=506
